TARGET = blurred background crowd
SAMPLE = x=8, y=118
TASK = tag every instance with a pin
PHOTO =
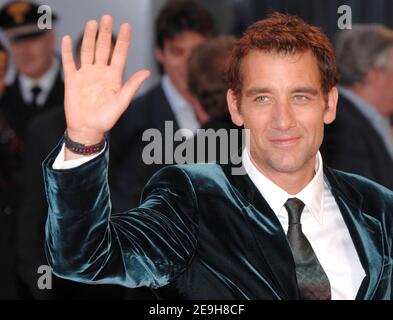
x=186, y=44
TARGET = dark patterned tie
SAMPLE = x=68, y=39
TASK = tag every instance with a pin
x=312, y=280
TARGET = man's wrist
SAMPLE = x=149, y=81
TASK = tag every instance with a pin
x=61, y=164
x=85, y=137
x=82, y=143
x=83, y=149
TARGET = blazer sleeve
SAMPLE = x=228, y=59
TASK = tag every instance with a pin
x=146, y=246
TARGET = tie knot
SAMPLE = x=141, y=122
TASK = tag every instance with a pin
x=36, y=90
x=295, y=208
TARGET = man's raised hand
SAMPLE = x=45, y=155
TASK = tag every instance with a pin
x=95, y=97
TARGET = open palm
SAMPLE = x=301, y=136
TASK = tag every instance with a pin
x=95, y=97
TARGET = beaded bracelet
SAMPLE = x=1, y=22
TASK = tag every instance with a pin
x=79, y=148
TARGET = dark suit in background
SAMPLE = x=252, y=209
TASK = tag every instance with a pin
x=41, y=135
x=11, y=149
x=352, y=144
x=19, y=113
x=7, y=263
x=10, y=158
x=128, y=172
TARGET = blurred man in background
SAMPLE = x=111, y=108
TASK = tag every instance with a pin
x=181, y=26
x=207, y=69
x=360, y=140
x=38, y=85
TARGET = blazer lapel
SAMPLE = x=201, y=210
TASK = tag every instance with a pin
x=365, y=231
x=271, y=241
x=163, y=110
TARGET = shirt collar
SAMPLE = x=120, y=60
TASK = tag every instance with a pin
x=175, y=99
x=45, y=82
x=312, y=195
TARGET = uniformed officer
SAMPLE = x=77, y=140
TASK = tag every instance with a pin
x=38, y=85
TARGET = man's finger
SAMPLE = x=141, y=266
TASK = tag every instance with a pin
x=103, y=45
x=120, y=52
x=88, y=43
x=131, y=87
x=66, y=55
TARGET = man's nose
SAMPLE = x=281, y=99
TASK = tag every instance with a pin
x=283, y=116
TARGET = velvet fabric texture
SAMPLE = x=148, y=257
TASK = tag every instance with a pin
x=200, y=233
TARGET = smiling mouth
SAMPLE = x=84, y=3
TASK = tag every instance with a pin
x=287, y=142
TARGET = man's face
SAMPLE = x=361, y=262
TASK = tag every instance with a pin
x=175, y=54
x=33, y=57
x=283, y=105
x=3, y=66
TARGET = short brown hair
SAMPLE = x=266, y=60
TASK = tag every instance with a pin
x=207, y=67
x=183, y=15
x=286, y=34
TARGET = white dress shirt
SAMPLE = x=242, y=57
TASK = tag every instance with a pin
x=45, y=83
x=184, y=112
x=322, y=223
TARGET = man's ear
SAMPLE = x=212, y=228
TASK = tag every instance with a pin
x=233, y=107
x=331, y=108
x=160, y=55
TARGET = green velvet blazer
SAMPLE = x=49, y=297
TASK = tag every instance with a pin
x=200, y=233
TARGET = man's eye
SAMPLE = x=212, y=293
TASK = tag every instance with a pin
x=300, y=98
x=262, y=99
